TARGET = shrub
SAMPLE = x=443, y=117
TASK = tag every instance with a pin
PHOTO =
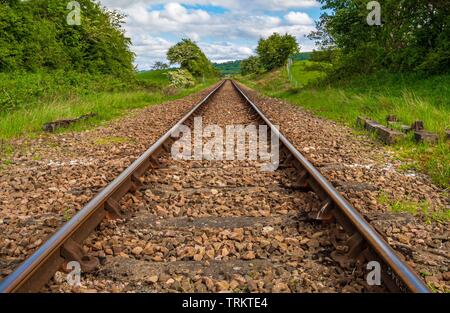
x=252, y=65
x=181, y=78
x=274, y=51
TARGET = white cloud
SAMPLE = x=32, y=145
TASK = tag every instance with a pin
x=194, y=36
x=226, y=36
x=241, y=5
x=226, y=52
x=298, y=18
x=178, y=13
x=149, y=50
x=287, y=4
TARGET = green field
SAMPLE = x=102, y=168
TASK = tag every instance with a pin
x=410, y=97
x=229, y=68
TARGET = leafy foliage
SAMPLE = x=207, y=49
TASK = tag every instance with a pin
x=409, y=96
x=252, y=65
x=181, y=78
x=274, y=51
x=160, y=66
x=35, y=35
x=157, y=78
x=191, y=58
x=302, y=56
x=414, y=36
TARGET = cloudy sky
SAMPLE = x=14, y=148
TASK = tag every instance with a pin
x=225, y=29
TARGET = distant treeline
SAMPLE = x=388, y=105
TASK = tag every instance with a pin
x=35, y=35
x=229, y=68
x=234, y=67
x=302, y=56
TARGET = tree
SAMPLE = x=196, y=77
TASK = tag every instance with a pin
x=35, y=35
x=252, y=65
x=321, y=37
x=274, y=51
x=190, y=57
x=160, y=66
x=414, y=36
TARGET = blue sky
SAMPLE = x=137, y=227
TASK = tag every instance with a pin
x=224, y=29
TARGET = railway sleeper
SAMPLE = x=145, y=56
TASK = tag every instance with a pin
x=73, y=251
x=352, y=251
x=114, y=210
x=389, y=278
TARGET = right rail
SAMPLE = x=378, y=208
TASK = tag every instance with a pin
x=395, y=272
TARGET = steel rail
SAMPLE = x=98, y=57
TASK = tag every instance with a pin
x=35, y=271
x=23, y=279
x=377, y=243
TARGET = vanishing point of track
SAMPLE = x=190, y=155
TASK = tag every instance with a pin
x=216, y=238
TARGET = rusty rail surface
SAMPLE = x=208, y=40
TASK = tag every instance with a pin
x=365, y=241
x=66, y=244
x=38, y=269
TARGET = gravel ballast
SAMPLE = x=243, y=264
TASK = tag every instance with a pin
x=210, y=226
x=364, y=171
x=51, y=177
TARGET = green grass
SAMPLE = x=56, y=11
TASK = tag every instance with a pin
x=157, y=77
x=432, y=159
x=6, y=152
x=21, y=90
x=415, y=208
x=111, y=140
x=303, y=73
x=409, y=97
x=29, y=119
x=68, y=214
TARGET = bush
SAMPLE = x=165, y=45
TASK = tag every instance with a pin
x=274, y=51
x=252, y=65
x=323, y=55
x=181, y=78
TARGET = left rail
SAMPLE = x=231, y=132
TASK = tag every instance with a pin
x=65, y=244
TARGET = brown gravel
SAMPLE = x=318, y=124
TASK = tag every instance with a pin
x=363, y=170
x=215, y=226
x=52, y=176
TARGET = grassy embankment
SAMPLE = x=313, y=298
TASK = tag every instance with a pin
x=409, y=97
x=27, y=101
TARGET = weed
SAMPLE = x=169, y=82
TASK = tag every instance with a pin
x=422, y=208
x=68, y=213
x=111, y=140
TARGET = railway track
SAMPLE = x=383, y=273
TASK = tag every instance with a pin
x=168, y=225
